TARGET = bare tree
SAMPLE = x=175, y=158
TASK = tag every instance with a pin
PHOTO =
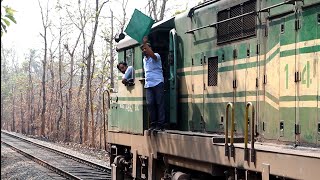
x=71, y=54
x=111, y=49
x=52, y=104
x=45, y=25
x=124, y=11
x=60, y=93
x=156, y=9
x=101, y=112
x=71, y=51
x=22, y=114
x=91, y=103
x=88, y=63
x=4, y=81
x=109, y=38
x=13, y=86
x=81, y=24
x=13, y=109
x=50, y=101
x=30, y=97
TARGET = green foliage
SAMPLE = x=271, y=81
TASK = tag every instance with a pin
x=6, y=17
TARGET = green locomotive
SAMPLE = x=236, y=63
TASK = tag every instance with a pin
x=242, y=87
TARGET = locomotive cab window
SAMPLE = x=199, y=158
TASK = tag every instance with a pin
x=128, y=56
x=237, y=28
x=129, y=74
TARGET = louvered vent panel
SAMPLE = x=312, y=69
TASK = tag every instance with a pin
x=237, y=28
x=213, y=71
x=223, y=27
x=249, y=22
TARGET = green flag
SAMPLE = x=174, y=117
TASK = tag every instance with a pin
x=139, y=26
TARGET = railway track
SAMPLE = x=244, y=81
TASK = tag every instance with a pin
x=66, y=165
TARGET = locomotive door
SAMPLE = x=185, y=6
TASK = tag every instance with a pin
x=113, y=113
x=317, y=59
x=214, y=108
x=270, y=128
x=288, y=74
x=307, y=120
x=197, y=75
x=173, y=76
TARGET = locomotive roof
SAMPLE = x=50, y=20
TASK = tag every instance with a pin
x=164, y=24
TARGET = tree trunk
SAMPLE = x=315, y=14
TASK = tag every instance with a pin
x=105, y=117
x=38, y=112
x=92, y=120
x=86, y=111
x=43, y=110
x=67, y=124
x=99, y=114
x=50, y=118
x=88, y=59
x=29, y=101
x=79, y=106
x=13, y=111
x=60, y=89
x=22, y=114
x=111, y=53
x=158, y=14
x=69, y=103
x=45, y=24
x=93, y=124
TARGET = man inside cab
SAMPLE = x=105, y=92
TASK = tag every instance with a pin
x=128, y=73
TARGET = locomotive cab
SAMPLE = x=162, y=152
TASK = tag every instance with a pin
x=247, y=73
x=128, y=112
x=163, y=41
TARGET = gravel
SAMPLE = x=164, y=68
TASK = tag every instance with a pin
x=16, y=166
x=95, y=155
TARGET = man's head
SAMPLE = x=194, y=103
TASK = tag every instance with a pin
x=143, y=49
x=122, y=66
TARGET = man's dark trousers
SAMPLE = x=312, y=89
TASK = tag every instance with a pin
x=155, y=104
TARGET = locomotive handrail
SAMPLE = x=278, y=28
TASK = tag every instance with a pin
x=252, y=12
x=246, y=118
x=105, y=126
x=252, y=125
x=216, y=23
x=229, y=105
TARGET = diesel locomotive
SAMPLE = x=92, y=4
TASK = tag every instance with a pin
x=242, y=95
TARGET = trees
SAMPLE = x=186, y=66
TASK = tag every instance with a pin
x=30, y=95
x=88, y=60
x=45, y=24
x=156, y=9
x=56, y=90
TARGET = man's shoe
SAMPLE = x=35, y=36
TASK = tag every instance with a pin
x=151, y=128
x=159, y=128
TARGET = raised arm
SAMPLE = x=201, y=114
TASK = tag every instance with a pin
x=147, y=49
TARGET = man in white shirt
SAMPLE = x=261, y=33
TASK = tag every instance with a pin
x=154, y=85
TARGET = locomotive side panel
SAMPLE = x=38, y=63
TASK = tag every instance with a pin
x=127, y=109
x=308, y=49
